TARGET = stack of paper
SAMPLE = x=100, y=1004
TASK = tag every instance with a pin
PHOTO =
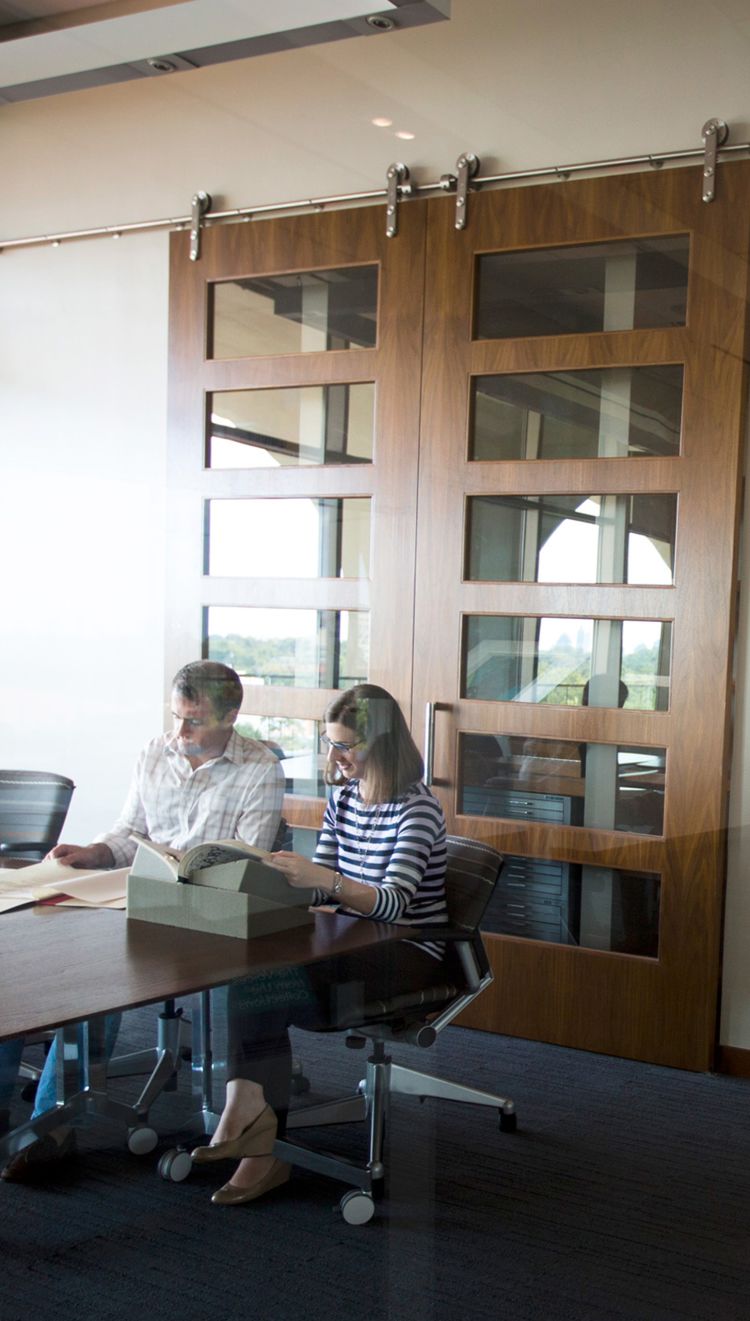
x=72, y=887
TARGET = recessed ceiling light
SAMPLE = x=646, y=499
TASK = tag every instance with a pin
x=380, y=122
x=404, y=133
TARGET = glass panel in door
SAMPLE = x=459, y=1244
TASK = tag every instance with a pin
x=298, y=312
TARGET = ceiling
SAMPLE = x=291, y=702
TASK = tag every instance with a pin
x=503, y=79
x=52, y=46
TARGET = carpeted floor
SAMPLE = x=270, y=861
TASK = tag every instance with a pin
x=623, y=1196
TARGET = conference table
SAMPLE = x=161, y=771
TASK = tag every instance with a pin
x=65, y=966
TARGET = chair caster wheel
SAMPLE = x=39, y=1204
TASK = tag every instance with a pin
x=357, y=1207
x=175, y=1165
x=300, y=1084
x=508, y=1121
x=142, y=1140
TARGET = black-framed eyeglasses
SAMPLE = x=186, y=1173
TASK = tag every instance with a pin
x=330, y=744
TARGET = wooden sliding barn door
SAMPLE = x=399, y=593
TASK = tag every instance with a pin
x=295, y=365
x=498, y=471
x=580, y=472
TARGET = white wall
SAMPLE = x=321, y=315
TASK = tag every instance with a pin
x=83, y=354
x=83, y=351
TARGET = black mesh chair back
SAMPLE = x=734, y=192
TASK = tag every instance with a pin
x=33, y=807
x=471, y=876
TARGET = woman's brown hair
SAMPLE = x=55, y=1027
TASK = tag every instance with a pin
x=374, y=716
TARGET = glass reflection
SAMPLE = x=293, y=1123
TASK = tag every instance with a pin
x=305, y=840
x=568, y=903
x=571, y=538
x=322, y=538
x=567, y=662
x=299, y=425
x=600, y=786
x=302, y=312
x=626, y=285
x=295, y=743
x=577, y=415
x=290, y=648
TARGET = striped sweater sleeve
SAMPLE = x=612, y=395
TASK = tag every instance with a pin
x=418, y=833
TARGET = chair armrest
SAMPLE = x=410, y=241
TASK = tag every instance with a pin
x=451, y=936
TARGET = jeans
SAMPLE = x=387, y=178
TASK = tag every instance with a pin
x=46, y=1095
x=10, y=1060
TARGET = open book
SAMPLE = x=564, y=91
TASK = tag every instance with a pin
x=224, y=864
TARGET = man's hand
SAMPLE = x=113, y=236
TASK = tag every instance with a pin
x=83, y=855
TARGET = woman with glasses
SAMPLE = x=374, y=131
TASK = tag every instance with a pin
x=381, y=855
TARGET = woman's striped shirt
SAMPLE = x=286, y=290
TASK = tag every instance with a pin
x=398, y=847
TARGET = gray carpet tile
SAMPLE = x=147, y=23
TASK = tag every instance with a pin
x=622, y=1197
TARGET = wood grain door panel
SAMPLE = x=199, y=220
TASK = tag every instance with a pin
x=661, y=1008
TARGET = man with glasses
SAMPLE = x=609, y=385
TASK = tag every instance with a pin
x=202, y=781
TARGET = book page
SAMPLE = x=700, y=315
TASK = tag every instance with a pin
x=41, y=878
x=153, y=864
x=214, y=852
x=98, y=888
x=10, y=901
x=165, y=850
x=84, y=903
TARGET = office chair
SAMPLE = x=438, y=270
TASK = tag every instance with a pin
x=417, y=1018
x=33, y=807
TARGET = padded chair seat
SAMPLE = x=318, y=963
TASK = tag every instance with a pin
x=397, y=1010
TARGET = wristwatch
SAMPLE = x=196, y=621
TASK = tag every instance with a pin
x=338, y=884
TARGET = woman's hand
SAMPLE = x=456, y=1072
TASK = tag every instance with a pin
x=301, y=872
x=306, y=875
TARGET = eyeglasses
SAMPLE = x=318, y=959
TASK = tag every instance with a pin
x=330, y=745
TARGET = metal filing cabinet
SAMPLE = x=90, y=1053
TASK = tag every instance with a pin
x=535, y=897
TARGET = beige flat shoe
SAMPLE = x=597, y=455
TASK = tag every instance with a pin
x=256, y=1139
x=231, y=1195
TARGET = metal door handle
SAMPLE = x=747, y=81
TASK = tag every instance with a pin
x=429, y=741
